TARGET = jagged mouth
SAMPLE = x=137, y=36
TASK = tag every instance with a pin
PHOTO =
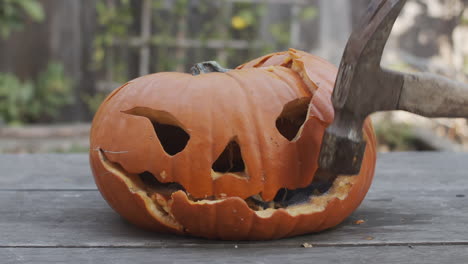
x=283, y=198
x=311, y=199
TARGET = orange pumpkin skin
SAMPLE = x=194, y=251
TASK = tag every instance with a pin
x=215, y=109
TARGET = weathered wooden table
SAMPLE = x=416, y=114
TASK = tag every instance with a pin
x=415, y=212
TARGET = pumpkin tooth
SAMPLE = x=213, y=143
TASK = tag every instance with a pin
x=239, y=175
x=339, y=190
x=137, y=186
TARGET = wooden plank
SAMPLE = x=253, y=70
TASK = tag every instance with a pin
x=45, y=171
x=407, y=171
x=395, y=171
x=381, y=255
x=50, y=201
x=83, y=219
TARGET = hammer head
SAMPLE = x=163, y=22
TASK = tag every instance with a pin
x=361, y=88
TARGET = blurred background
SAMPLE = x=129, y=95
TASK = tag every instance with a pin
x=60, y=58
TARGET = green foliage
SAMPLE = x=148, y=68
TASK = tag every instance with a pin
x=246, y=17
x=15, y=97
x=401, y=66
x=115, y=19
x=280, y=32
x=464, y=18
x=25, y=101
x=181, y=7
x=13, y=12
x=117, y=44
x=308, y=13
x=53, y=91
x=397, y=136
x=93, y=101
x=249, y=14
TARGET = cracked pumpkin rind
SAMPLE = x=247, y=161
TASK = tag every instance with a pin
x=266, y=86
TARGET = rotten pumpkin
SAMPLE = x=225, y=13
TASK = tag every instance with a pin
x=226, y=154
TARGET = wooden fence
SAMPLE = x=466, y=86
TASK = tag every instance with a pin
x=70, y=29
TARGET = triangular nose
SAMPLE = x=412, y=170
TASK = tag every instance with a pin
x=230, y=159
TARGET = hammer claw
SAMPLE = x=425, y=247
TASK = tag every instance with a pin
x=361, y=87
x=374, y=30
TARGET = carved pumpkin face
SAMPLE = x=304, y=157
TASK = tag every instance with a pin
x=226, y=155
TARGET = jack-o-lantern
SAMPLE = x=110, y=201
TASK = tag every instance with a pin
x=228, y=155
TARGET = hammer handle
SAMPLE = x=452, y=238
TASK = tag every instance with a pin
x=431, y=95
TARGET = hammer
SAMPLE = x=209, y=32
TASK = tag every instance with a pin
x=363, y=87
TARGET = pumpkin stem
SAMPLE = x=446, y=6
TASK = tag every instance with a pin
x=207, y=67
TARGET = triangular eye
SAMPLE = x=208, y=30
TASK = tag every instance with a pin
x=173, y=138
x=169, y=131
x=293, y=116
x=230, y=159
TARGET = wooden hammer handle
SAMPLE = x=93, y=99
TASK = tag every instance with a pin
x=433, y=96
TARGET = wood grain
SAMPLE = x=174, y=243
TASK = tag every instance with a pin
x=433, y=95
x=45, y=172
x=50, y=200
x=336, y=255
x=83, y=219
x=50, y=211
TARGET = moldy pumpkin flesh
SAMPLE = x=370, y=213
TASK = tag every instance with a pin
x=226, y=155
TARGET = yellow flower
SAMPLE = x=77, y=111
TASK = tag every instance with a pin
x=238, y=23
